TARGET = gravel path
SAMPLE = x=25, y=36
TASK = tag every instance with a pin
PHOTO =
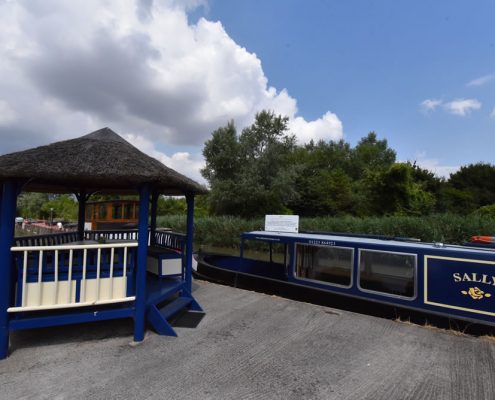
x=251, y=346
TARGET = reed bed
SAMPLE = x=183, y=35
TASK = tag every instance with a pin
x=224, y=231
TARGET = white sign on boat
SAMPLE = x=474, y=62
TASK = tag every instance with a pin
x=282, y=223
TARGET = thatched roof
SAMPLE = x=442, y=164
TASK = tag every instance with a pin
x=99, y=161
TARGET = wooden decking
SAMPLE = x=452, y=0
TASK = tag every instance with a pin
x=251, y=346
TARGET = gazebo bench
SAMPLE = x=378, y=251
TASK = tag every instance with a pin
x=164, y=261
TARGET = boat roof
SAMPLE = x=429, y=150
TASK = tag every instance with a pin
x=389, y=242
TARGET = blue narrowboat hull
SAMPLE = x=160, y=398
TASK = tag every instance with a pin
x=452, y=281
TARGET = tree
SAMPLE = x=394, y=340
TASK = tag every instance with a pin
x=65, y=207
x=29, y=204
x=394, y=191
x=472, y=187
x=371, y=154
x=171, y=206
x=250, y=175
x=222, y=154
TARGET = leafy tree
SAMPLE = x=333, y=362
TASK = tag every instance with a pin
x=171, y=206
x=222, y=154
x=65, y=207
x=323, y=183
x=432, y=184
x=486, y=211
x=394, y=191
x=371, y=154
x=472, y=187
x=250, y=175
x=29, y=204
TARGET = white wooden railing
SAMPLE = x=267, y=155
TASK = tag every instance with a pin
x=54, y=285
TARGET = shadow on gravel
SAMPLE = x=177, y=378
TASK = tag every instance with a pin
x=187, y=319
x=90, y=331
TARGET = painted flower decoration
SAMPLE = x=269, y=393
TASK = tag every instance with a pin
x=476, y=293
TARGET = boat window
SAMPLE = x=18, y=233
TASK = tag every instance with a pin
x=324, y=263
x=89, y=212
x=128, y=211
x=385, y=272
x=117, y=211
x=265, y=251
x=103, y=211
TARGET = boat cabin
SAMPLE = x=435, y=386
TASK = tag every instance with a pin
x=112, y=214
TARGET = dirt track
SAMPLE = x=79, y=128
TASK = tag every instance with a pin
x=252, y=346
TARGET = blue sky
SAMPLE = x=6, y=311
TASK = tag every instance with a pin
x=166, y=73
x=374, y=62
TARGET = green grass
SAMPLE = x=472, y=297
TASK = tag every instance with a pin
x=224, y=231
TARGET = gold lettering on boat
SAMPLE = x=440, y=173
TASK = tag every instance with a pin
x=473, y=277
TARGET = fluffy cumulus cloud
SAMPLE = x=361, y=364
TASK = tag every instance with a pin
x=327, y=127
x=138, y=67
x=182, y=161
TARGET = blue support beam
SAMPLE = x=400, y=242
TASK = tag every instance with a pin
x=140, y=310
x=7, y=216
x=154, y=207
x=189, y=240
x=70, y=318
x=81, y=217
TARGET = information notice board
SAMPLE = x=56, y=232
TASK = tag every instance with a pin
x=282, y=223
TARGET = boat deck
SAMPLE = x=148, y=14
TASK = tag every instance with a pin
x=251, y=345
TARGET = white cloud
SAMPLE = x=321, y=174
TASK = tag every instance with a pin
x=434, y=166
x=483, y=80
x=183, y=162
x=462, y=107
x=136, y=66
x=430, y=104
x=324, y=128
x=7, y=114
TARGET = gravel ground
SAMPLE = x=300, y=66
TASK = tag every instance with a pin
x=251, y=346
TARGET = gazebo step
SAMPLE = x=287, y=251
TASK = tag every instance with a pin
x=160, y=290
x=158, y=316
x=174, y=307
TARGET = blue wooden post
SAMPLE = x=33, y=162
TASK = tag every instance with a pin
x=7, y=216
x=140, y=303
x=189, y=240
x=81, y=198
x=154, y=206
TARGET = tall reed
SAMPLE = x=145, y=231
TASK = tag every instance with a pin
x=224, y=231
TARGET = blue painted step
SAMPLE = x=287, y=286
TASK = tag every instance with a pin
x=174, y=307
x=158, y=316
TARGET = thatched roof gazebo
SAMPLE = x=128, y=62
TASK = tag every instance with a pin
x=102, y=162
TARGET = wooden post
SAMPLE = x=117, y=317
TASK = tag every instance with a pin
x=7, y=216
x=140, y=302
x=189, y=240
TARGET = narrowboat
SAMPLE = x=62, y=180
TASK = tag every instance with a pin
x=455, y=281
x=111, y=214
